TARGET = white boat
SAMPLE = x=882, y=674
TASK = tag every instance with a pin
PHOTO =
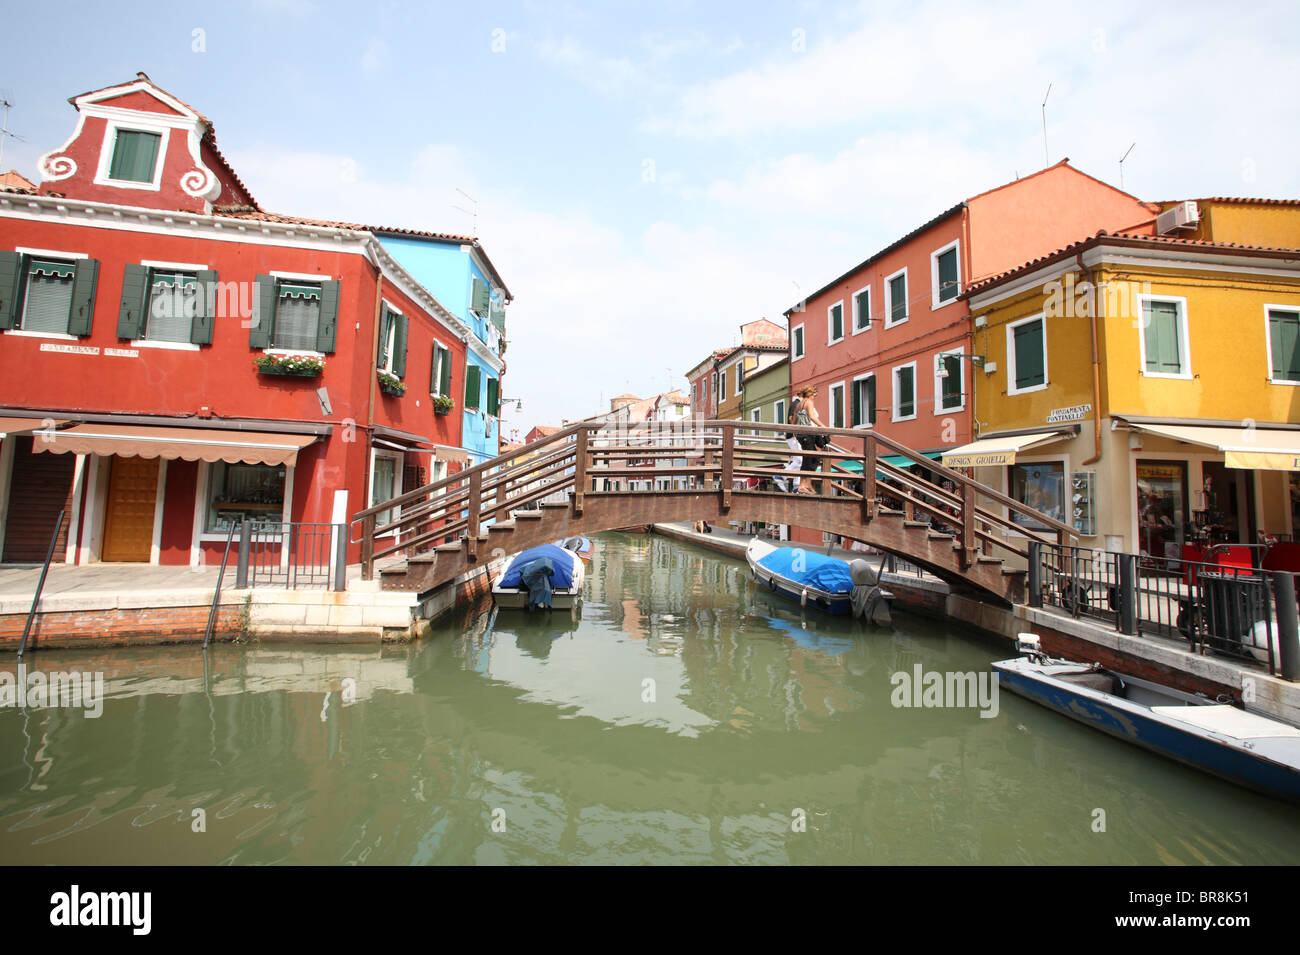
x=563, y=584
x=838, y=587
x=1211, y=735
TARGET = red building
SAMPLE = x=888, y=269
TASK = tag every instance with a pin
x=175, y=359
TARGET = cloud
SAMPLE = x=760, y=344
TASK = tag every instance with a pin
x=375, y=56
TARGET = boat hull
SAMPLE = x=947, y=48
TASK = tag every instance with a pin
x=1228, y=759
x=516, y=598
x=836, y=604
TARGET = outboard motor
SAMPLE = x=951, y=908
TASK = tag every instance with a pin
x=871, y=602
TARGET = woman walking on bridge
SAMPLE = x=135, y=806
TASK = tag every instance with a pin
x=804, y=412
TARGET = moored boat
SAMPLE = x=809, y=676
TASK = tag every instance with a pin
x=1211, y=735
x=544, y=577
x=581, y=546
x=816, y=580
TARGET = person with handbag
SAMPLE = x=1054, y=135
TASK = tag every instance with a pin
x=804, y=412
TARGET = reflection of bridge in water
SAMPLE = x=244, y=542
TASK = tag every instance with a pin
x=951, y=525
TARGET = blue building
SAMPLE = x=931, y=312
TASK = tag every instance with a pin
x=458, y=272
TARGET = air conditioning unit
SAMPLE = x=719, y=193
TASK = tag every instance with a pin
x=1182, y=216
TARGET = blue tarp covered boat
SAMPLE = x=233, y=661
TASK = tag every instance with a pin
x=564, y=579
x=812, y=579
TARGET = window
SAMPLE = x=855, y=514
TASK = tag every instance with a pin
x=740, y=374
x=837, y=406
x=385, y=482
x=48, y=300
x=493, y=397
x=238, y=492
x=722, y=387
x=949, y=388
x=135, y=156
x=440, y=372
x=1041, y=486
x=862, y=310
x=896, y=298
x=835, y=322
x=778, y=411
x=1026, y=356
x=864, y=402
x=173, y=305
x=945, y=276
x=796, y=343
x=297, y=316
x=1163, y=337
x=1284, y=346
x=905, y=392
x=472, y=374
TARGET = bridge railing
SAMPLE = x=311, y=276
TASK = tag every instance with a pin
x=703, y=457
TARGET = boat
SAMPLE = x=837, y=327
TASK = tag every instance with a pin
x=838, y=587
x=581, y=546
x=1215, y=736
x=544, y=577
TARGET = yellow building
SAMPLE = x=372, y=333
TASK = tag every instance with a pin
x=731, y=371
x=1145, y=387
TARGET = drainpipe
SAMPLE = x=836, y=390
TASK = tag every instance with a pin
x=1096, y=365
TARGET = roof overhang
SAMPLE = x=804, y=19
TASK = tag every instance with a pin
x=187, y=444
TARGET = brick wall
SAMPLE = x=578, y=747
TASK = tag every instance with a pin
x=143, y=626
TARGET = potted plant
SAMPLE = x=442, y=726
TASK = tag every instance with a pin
x=302, y=366
x=442, y=404
x=390, y=384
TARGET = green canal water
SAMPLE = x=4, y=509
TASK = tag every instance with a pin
x=686, y=717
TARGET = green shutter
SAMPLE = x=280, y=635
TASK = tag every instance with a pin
x=471, y=385
x=497, y=313
x=134, y=156
x=871, y=400
x=327, y=325
x=1284, y=334
x=906, y=392
x=855, y=414
x=948, y=276
x=481, y=297
x=263, y=323
x=898, y=299
x=1028, y=345
x=1161, y=338
x=385, y=323
x=399, y=346
x=205, y=313
x=444, y=386
x=951, y=391
x=130, y=315
x=863, y=300
x=86, y=278
x=493, y=397
x=11, y=264
x=433, y=368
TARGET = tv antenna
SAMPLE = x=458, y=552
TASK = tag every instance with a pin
x=1121, y=164
x=4, y=129
x=473, y=214
x=1046, y=161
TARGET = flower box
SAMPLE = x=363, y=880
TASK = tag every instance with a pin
x=298, y=366
x=443, y=404
x=391, y=384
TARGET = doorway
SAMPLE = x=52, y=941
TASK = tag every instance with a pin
x=129, y=510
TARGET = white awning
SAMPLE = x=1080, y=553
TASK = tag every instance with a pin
x=26, y=425
x=998, y=450
x=1263, y=449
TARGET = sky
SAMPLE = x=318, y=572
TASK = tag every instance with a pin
x=647, y=177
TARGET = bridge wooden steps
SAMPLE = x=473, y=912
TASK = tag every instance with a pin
x=546, y=492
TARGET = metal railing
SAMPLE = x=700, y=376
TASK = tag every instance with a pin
x=717, y=455
x=293, y=555
x=40, y=584
x=1214, y=605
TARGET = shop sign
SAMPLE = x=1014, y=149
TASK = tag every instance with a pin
x=1076, y=413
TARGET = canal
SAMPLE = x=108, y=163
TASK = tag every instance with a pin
x=681, y=717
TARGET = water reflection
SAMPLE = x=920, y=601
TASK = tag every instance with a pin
x=682, y=715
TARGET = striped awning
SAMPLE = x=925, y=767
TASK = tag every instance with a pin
x=1257, y=449
x=188, y=444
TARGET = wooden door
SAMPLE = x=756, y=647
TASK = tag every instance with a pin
x=128, y=515
x=41, y=485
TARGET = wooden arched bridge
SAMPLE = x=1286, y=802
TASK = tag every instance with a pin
x=594, y=476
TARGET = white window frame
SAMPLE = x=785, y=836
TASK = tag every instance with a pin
x=722, y=386
x=893, y=375
x=889, y=298
x=740, y=376
x=803, y=343
x=1011, y=356
x=392, y=342
x=830, y=328
x=1184, y=342
x=64, y=336
x=939, y=410
x=436, y=373
x=399, y=458
x=106, y=150
x=199, y=535
x=830, y=411
x=866, y=425
x=856, y=295
x=1268, y=341
x=152, y=264
x=935, y=303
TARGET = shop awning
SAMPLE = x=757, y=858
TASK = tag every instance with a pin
x=188, y=444
x=997, y=450
x=897, y=460
x=23, y=425
x=1262, y=449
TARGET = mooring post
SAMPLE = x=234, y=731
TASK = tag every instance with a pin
x=1288, y=625
x=1035, y=573
x=245, y=545
x=1128, y=593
